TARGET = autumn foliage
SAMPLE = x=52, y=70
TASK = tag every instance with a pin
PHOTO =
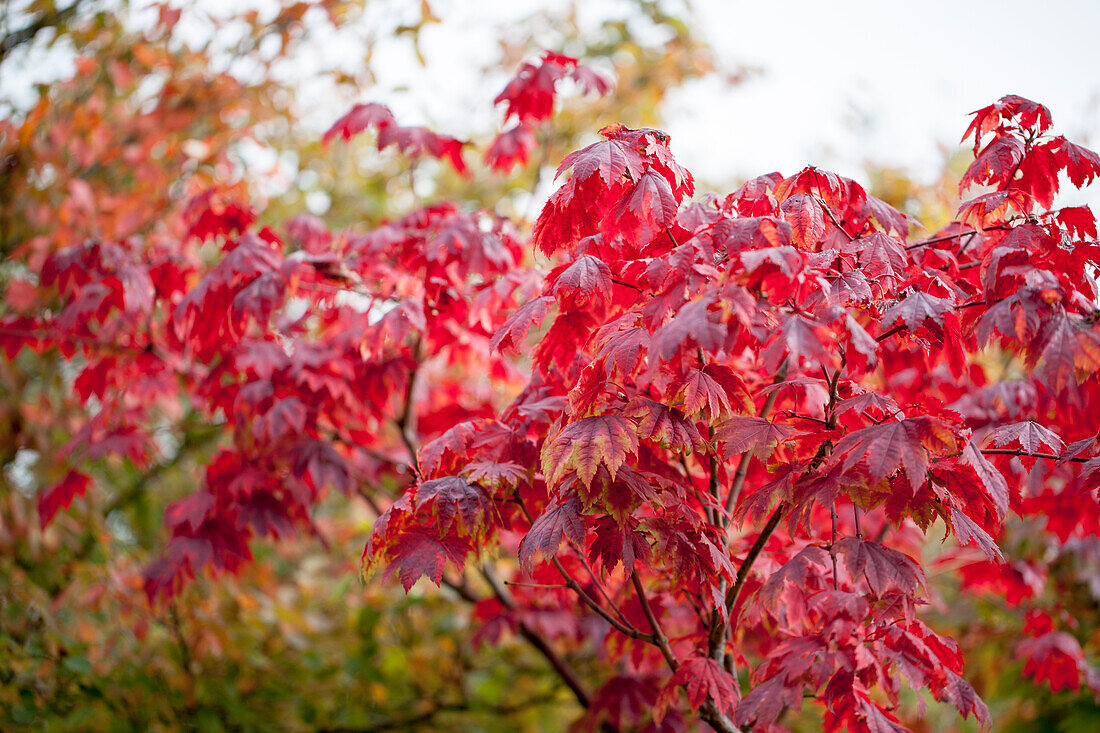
x=715, y=436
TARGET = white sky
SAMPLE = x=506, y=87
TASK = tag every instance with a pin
x=887, y=81
x=842, y=82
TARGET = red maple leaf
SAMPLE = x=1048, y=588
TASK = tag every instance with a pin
x=415, y=141
x=665, y=425
x=585, y=445
x=915, y=309
x=1030, y=114
x=586, y=283
x=529, y=96
x=1055, y=657
x=1079, y=220
x=703, y=678
x=451, y=498
x=806, y=215
x=211, y=214
x=995, y=164
x=1030, y=435
x=618, y=187
x=420, y=553
x=960, y=693
x=766, y=701
x=1080, y=164
x=885, y=568
x=359, y=118
x=966, y=530
x=615, y=544
x=880, y=256
x=712, y=391
x=59, y=496
x=511, y=334
x=647, y=205
x=992, y=208
x=559, y=519
x=695, y=325
x=889, y=446
x=511, y=148
x=741, y=434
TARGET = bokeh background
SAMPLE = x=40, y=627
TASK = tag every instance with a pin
x=112, y=114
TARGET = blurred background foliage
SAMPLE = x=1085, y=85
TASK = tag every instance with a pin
x=163, y=103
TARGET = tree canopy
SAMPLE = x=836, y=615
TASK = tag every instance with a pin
x=791, y=456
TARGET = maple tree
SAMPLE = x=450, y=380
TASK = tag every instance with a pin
x=116, y=152
x=765, y=411
x=718, y=434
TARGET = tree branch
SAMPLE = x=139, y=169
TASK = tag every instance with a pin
x=716, y=719
x=408, y=416
x=832, y=545
x=958, y=235
x=1024, y=453
x=832, y=216
x=186, y=660
x=564, y=670
x=659, y=637
x=26, y=34
x=718, y=631
x=717, y=638
x=743, y=465
x=622, y=627
x=568, y=675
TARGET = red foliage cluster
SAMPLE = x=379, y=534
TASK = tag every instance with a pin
x=529, y=97
x=783, y=359
x=412, y=141
x=741, y=416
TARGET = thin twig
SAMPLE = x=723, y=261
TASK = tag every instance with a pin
x=743, y=465
x=658, y=633
x=535, y=585
x=589, y=601
x=1025, y=454
x=832, y=546
x=959, y=235
x=839, y=226
x=623, y=627
x=564, y=670
x=406, y=421
x=596, y=582
x=626, y=284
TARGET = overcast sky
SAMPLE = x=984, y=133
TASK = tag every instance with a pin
x=842, y=82
x=888, y=81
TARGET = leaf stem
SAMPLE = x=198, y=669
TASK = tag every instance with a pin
x=600, y=610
